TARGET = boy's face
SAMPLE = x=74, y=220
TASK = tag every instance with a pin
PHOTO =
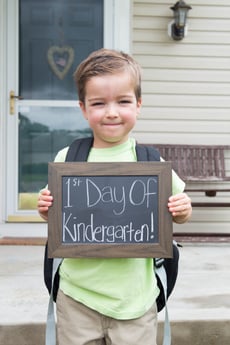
x=111, y=108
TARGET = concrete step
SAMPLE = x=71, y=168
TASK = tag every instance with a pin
x=184, y=332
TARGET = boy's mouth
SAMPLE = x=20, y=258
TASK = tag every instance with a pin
x=112, y=124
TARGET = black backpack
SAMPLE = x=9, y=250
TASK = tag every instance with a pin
x=78, y=151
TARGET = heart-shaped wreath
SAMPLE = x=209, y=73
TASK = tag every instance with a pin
x=60, y=60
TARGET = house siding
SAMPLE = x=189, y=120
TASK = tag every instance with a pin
x=186, y=89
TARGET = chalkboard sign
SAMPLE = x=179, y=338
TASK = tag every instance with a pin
x=110, y=210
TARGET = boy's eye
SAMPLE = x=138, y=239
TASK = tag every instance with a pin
x=125, y=101
x=97, y=104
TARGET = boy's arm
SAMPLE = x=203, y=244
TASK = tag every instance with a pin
x=180, y=207
x=45, y=200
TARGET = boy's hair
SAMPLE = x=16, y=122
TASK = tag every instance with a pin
x=104, y=62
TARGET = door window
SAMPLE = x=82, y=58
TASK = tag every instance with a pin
x=54, y=37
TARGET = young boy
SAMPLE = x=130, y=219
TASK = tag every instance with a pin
x=110, y=301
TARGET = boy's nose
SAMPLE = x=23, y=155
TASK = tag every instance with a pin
x=112, y=111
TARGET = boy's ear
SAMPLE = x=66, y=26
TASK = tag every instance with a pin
x=82, y=106
x=139, y=104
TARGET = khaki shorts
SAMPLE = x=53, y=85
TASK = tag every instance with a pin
x=80, y=325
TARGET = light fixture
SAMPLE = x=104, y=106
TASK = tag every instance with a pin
x=178, y=26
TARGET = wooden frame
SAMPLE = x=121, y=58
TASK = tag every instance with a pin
x=110, y=209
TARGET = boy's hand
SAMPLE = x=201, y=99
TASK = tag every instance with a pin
x=45, y=200
x=180, y=207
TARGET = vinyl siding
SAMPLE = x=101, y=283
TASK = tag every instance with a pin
x=186, y=86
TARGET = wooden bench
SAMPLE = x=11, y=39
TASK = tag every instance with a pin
x=202, y=166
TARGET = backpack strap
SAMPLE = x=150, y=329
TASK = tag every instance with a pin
x=50, y=335
x=166, y=273
x=79, y=150
x=161, y=273
x=147, y=153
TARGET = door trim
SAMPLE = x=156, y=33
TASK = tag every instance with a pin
x=3, y=107
x=117, y=21
x=117, y=18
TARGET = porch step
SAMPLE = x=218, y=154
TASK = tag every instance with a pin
x=22, y=241
x=184, y=332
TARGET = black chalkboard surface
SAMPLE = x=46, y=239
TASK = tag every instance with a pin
x=110, y=210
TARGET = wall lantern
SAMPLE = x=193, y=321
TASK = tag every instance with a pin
x=177, y=29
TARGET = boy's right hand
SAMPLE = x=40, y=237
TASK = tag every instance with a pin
x=45, y=200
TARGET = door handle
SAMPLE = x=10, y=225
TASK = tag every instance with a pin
x=12, y=102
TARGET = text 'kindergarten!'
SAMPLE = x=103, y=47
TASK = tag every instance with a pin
x=109, y=209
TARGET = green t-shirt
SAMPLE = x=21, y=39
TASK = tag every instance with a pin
x=117, y=287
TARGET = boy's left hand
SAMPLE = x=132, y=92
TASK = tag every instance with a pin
x=180, y=207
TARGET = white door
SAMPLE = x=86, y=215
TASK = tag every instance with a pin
x=46, y=41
